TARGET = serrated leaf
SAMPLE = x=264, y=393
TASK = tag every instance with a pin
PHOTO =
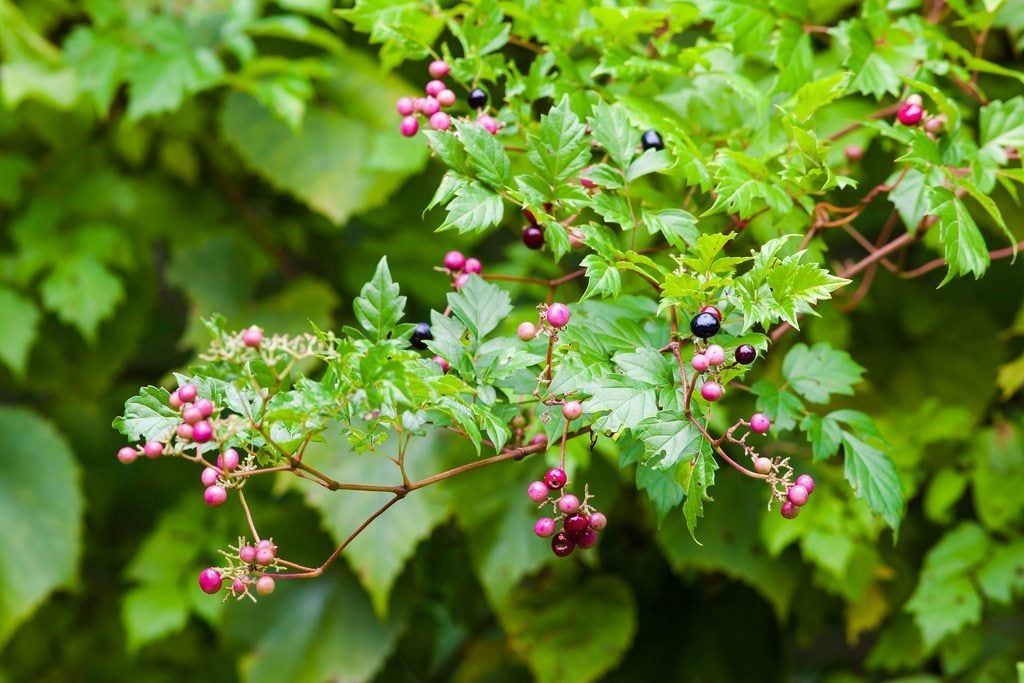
x=379, y=306
x=814, y=95
x=475, y=209
x=82, y=292
x=148, y=416
x=486, y=154
x=560, y=149
x=699, y=476
x=819, y=371
x=669, y=438
x=19, y=324
x=612, y=130
x=962, y=242
x=480, y=305
x=873, y=477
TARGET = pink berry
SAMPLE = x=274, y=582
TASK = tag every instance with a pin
x=238, y=586
x=429, y=106
x=191, y=415
x=763, y=465
x=210, y=580
x=446, y=98
x=713, y=310
x=544, y=527
x=700, y=362
x=711, y=391
x=252, y=335
x=760, y=423
x=934, y=124
x=442, y=362
x=854, y=153
x=910, y=114
x=797, y=495
x=228, y=460
x=715, y=354
x=153, y=449
x=405, y=106
x=576, y=238
x=526, y=331
x=461, y=280
x=598, y=521
x=568, y=503
x=558, y=315
x=439, y=68
x=440, y=121
x=184, y=431
x=572, y=410
x=127, y=455
x=537, y=491
x=473, y=266
x=265, y=552
x=215, y=495
x=489, y=123
x=586, y=538
x=454, y=261
x=175, y=400
x=587, y=182
x=789, y=511
x=202, y=432
x=541, y=440
x=265, y=585
x=247, y=554
x=205, y=407
x=915, y=99
x=410, y=125
x=555, y=477
x=434, y=87
x=187, y=393
x=807, y=481
x=209, y=476
x=266, y=543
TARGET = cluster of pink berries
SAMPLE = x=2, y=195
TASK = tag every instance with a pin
x=797, y=495
x=460, y=268
x=213, y=478
x=253, y=558
x=438, y=96
x=709, y=359
x=912, y=111
x=553, y=317
x=580, y=521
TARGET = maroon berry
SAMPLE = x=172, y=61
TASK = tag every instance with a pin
x=209, y=476
x=587, y=182
x=538, y=491
x=572, y=410
x=215, y=495
x=558, y=315
x=711, y=391
x=586, y=538
x=439, y=68
x=247, y=554
x=745, y=354
x=265, y=585
x=562, y=544
x=530, y=218
x=228, y=460
x=598, y=521
x=797, y=495
x=526, y=331
x=210, y=580
x=410, y=126
x=187, y=393
x=575, y=523
x=127, y=455
x=789, y=511
x=700, y=362
x=713, y=310
x=473, y=266
x=202, y=432
x=760, y=423
x=807, y=481
x=153, y=449
x=544, y=527
x=555, y=477
x=454, y=261
x=533, y=237
x=715, y=354
x=253, y=335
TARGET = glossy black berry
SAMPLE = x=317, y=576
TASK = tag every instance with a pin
x=705, y=325
x=477, y=98
x=533, y=237
x=745, y=354
x=420, y=335
x=562, y=544
x=651, y=140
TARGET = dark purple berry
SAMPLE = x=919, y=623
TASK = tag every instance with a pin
x=651, y=140
x=555, y=478
x=561, y=544
x=745, y=354
x=420, y=335
x=477, y=98
x=586, y=538
x=533, y=237
x=705, y=325
x=575, y=523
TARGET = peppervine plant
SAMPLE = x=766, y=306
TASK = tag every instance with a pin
x=700, y=223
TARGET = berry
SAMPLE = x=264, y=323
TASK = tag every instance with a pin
x=434, y=87
x=562, y=545
x=489, y=123
x=187, y=393
x=586, y=538
x=789, y=511
x=542, y=440
x=572, y=410
x=445, y=98
x=910, y=114
x=265, y=585
x=440, y=121
x=575, y=523
x=526, y=331
x=544, y=527
x=715, y=354
x=651, y=140
x=410, y=126
x=934, y=124
x=530, y=218
x=807, y=481
x=854, y=153
x=205, y=407
x=518, y=421
x=533, y=237
x=264, y=555
x=405, y=106
x=210, y=580
x=439, y=68
x=191, y=415
x=153, y=449
x=175, y=400
x=215, y=495
x=587, y=182
x=184, y=431
x=705, y=325
x=454, y=261
x=713, y=310
x=442, y=362
x=247, y=554
x=711, y=391
x=558, y=315
x=763, y=465
x=127, y=455
x=461, y=281
x=537, y=491
x=421, y=334
x=209, y=476
x=598, y=521
x=760, y=423
x=700, y=362
x=797, y=495
x=576, y=238
x=568, y=503
x=473, y=266
x=555, y=477
x=202, y=432
x=745, y=354
x=429, y=106
x=228, y=460
x=477, y=98
x=915, y=99
x=238, y=586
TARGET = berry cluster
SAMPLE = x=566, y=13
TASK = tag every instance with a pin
x=245, y=570
x=553, y=317
x=912, y=112
x=438, y=97
x=460, y=268
x=580, y=521
x=709, y=359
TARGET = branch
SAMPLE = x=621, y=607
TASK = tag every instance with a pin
x=939, y=262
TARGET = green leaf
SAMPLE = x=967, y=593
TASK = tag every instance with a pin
x=82, y=292
x=611, y=129
x=873, y=477
x=782, y=407
x=486, y=154
x=647, y=366
x=560, y=149
x=651, y=161
x=819, y=371
x=625, y=402
x=542, y=622
x=603, y=278
x=997, y=456
x=480, y=305
x=814, y=95
x=148, y=416
x=963, y=245
x=677, y=226
x=19, y=324
x=1002, y=576
x=40, y=515
x=475, y=209
x=670, y=435
x=910, y=195
x=661, y=487
x=1002, y=128
x=748, y=25
x=379, y=306
x=699, y=476
x=824, y=434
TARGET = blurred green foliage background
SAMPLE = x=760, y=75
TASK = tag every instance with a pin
x=164, y=161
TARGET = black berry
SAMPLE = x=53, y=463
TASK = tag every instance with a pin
x=745, y=354
x=420, y=335
x=561, y=544
x=533, y=237
x=651, y=140
x=477, y=98
x=705, y=325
